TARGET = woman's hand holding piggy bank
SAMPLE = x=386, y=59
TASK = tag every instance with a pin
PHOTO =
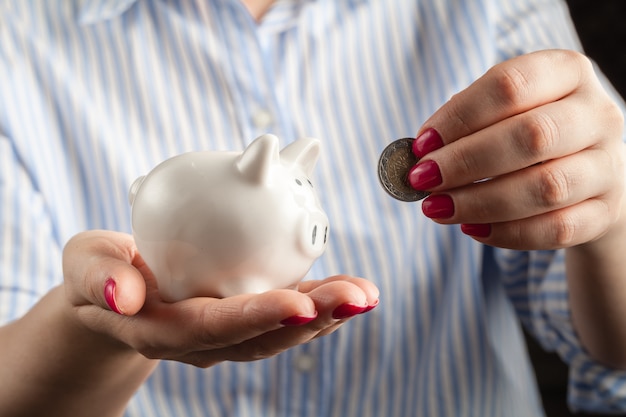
x=224, y=223
x=208, y=225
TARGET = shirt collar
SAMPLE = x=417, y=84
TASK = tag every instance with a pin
x=93, y=11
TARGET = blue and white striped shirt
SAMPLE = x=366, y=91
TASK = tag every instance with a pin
x=94, y=93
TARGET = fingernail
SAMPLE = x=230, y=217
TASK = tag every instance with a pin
x=425, y=175
x=476, y=230
x=109, y=295
x=348, y=310
x=427, y=141
x=298, y=320
x=370, y=307
x=438, y=206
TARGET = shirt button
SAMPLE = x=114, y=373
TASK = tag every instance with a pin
x=262, y=119
x=304, y=362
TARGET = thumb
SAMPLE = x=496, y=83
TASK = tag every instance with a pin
x=123, y=290
x=99, y=270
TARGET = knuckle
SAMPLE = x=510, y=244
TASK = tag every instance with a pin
x=465, y=162
x=611, y=212
x=208, y=333
x=614, y=116
x=554, y=187
x=537, y=135
x=216, y=324
x=512, y=86
x=514, y=234
x=208, y=338
x=564, y=230
x=573, y=59
x=483, y=210
x=581, y=60
x=455, y=115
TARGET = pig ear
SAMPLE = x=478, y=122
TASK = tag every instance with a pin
x=256, y=160
x=132, y=192
x=303, y=153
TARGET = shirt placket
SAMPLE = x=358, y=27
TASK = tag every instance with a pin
x=250, y=50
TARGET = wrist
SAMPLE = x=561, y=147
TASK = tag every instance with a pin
x=62, y=365
x=597, y=295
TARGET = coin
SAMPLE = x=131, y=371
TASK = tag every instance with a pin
x=394, y=165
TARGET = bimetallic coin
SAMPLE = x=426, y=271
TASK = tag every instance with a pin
x=394, y=165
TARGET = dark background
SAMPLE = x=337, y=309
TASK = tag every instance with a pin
x=602, y=29
x=601, y=25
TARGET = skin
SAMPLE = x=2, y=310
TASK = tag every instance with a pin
x=257, y=8
x=77, y=357
x=542, y=128
x=72, y=355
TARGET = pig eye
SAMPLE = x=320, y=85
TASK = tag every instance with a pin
x=298, y=182
x=310, y=183
x=314, y=235
x=325, y=233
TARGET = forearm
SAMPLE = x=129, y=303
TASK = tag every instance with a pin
x=52, y=365
x=596, y=274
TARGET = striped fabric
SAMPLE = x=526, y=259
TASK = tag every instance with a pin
x=94, y=93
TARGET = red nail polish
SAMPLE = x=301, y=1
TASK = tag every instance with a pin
x=427, y=141
x=297, y=320
x=347, y=310
x=371, y=306
x=109, y=295
x=476, y=230
x=438, y=206
x=425, y=175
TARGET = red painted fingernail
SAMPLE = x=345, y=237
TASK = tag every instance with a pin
x=476, y=230
x=348, y=310
x=298, y=320
x=109, y=295
x=425, y=175
x=427, y=141
x=438, y=206
x=371, y=306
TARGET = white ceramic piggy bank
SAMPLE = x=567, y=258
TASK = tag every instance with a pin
x=216, y=223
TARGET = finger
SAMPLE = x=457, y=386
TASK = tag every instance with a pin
x=551, y=131
x=554, y=230
x=541, y=134
x=331, y=297
x=260, y=347
x=163, y=329
x=509, y=88
x=337, y=299
x=372, y=293
x=539, y=189
x=263, y=346
x=98, y=269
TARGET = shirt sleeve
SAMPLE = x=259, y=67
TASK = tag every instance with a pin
x=535, y=281
x=536, y=285
x=30, y=255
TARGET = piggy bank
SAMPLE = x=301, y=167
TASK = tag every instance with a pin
x=218, y=223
